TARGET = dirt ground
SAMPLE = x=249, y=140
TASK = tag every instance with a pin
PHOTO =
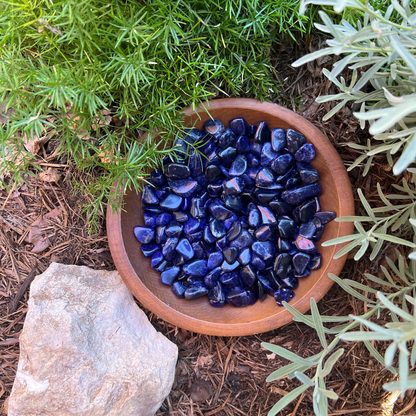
x=215, y=375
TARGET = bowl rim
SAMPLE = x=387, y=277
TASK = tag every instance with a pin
x=317, y=291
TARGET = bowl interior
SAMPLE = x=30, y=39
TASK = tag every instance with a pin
x=198, y=315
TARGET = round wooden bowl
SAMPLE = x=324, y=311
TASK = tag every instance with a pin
x=198, y=315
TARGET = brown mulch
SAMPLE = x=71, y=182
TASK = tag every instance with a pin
x=215, y=375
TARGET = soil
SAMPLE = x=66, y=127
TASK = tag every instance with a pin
x=215, y=375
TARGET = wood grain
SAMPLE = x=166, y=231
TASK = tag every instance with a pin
x=198, y=315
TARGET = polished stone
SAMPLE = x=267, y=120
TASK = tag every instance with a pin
x=172, y=202
x=162, y=266
x=289, y=282
x=306, y=273
x=251, y=131
x=282, y=163
x=294, y=140
x=193, y=225
x=143, y=234
x=178, y=260
x=153, y=209
x=230, y=254
x=297, y=195
x=163, y=219
x=216, y=296
x=213, y=173
x=197, y=268
x=185, y=249
x=198, y=250
x=169, y=275
x=281, y=263
x=230, y=279
x=178, y=288
x=252, y=161
x=305, y=211
x=261, y=294
x=160, y=235
x=183, y=187
x=211, y=279
x=244, y=257
x=194, y=237
x=208, y=236
x=226, y=139
x=219, y=211
x=265, y=196
x=156, y=178
x=214, y=260
x=325, y=216
x=267, y=286
x=149, y=195
x=280, y=207
x=177, y=171
x=267, y=216
x=268, y=155
x=239, y=126
x=239, y=166
x=254, y=216
x=149, y=249
x=265, y=178
x=237, y=297
x=224, y=172
x=300, y=262
x=186, y=204
x=315, y=262
x=278, y=139
x=229, y=222
x=264, y=249
x=264, y=233
x=214, y=126
x=221, y=244
x=305, y=245
x=307, y=229
x=180, y=216
x=197, y=209
x=168, y=249
x=283, y=295
x=157, y=258
x=234, y=231
x=305, y=153
x=257, y=263
x=288, y=229
x=195, y=292
x=255, y=149
x=233, y=202
x=234, y=186
x=229, y=267
x=194, y=136
x=252, y=172
x=214, y=189
x=248, y=275
x=242, y=144
x=173, y=229
x=217, y=228
x=317, y=236
x=307, y=172
x=284, y=245
x=262, y=134
x=149, y=219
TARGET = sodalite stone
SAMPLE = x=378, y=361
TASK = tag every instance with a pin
x=283, y=295
x=144, y=234
x=239, y=166
x=214, y=127
x=278, y=139
x=238, y=222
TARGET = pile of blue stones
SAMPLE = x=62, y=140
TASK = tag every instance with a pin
x=238, y=222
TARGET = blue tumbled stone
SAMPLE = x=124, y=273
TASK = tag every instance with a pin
x=197, y=209
x=252, y=172
x=260, y=292
x=264, y=249
x=169, y=275
x=149, y=249
x=163, y=219
x=149, y=195
x=234, y=186
x=212, y=159
x=174, y=229
x=265, y=178
x=208, y=237
x=177, y=171
x=278, y=139
x=254, y=216
x=193, y=238
x=197, y=268
x=216, y=296
x=194, y=135
x=219, y=211
x=227, y=267
x=217, y=228
x=157, y=258
x=234, y=231
x=195, y=292
x=156, y=178
x=214, y=127
x=268, y=155
x=143, y=234
x=237, y=297
x=251, y=131
x=248, y=275
x=233, y=202
x=289, y=282
x=153, y=209
x=315, y=262
x=307, y=172
x=307, y=229
x=160, y=268
x=300, y=262
x=281, y=263
x=306, y=273
x=255, y=149
x=262, y=134
x=213, y=173
x=186, y=204
x=239, y=166
x=282, y=163
x=221, y=244
x=224, y=172
x=214, y=189
x=193, y=225
x=198, y=250
x=228, y=155
x=168, y=249
x=285, y=246
x=229, y=222
x=230, y=279
x=252, y=161
x=180, y=216
x=178, y=260
x=257, y=263
x=280, y=207
x=267, y=286
x=288, y=229
x=244, y=257
x=264, y=233
x=267, y=216
x=305, y=211
x=305, y=245
x=242, y=144
x=325, y=216
x=211, y=279
x=226, y=139
x=294, y=140
x=185, y=249
x=160, y=235
x=172, y=202
x=297, y=195
x=178, y=288
x=149, y=220
x=305, y=153
x=183, y=187
x=239, y=126
x=230, y=254
x=214, y=260
x=283, y=295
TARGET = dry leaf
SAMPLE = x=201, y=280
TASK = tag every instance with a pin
x=204, y=360
x=80, y=131
x=100, y=121
x=34, y=145
x=42, y=25
x=35, y=235
x=50, y=175
x=276, y=390
x=271, y=356
x=201, y=390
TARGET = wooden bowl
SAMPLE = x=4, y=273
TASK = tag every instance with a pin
x=198, y=315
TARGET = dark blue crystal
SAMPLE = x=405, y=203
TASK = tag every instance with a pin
x=267, y=216
x=248, y=275
x=268, y=155
x=281, y=164
x=185, y=249
x=192, y=225
x=217, y=228
x=281, y=263
x=197, y=268
x=212, y=159
x=180, y=216
x=305, y=153
x=177, y=171
x=307, y=172
x=149, y=249
x=226, y=139
x=280, y=207
x=306, y=273
x=168, y=249
x=172, y=202
x=153, y=209
x=174, y=229
x=251, y=131
x=212, y=277
x=238, y=166
x=262, y=134
x=255, y=149
x=233, y=186
x=295, y=140
x=169, y=275
x=160, y=235
x=214, y=260
x=156, y=178
x=307, y=229
x=252, y=161
x=278, y=139
x=195, y=292
x=149, y=220
x=315, y=262
x=257, y=263
x=242, y=144
x=178, y=288
x=143, y=234
x=252, y=172
x=264, y=249
x=300, y=262
x=216, y=296
x=230, y=279
x=305, y=245
x=284, y=245
x=183, y=187
x=194, y=135
x=234, y=231
x=325, y=216
x=297, y=195
x=214, y=127
x=259, y=291
x=213, y=173
x=237, y=297
x=227, y=267
x=186, y=204
x=157, y=258
x=288, y=229
x=267, y=286
x=238, y=126
x=197, y=208
x=283, y=295
x=244, y=257
x=230, y=254
x=265, y=178
x=264, y=233
x=149, y=195
x=305, y=211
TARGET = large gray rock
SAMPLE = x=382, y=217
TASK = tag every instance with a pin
x=87, y=349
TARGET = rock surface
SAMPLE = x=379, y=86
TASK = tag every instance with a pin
x=87, y=349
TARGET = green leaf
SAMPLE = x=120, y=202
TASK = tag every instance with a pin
x=330, y=362
x=312, y=56
x=389, y=354
x=394, y=239
x=366, y=205
x=330, y=394
x=318, y=324
x=283, y=372
x=304, y=379
x=365, y=336
x=348, y=289
x=406, y=316
x=407, y=157
x=283, y=352
x=379, y=358
x=404, y=53
x=282, y=403
x=339, y=240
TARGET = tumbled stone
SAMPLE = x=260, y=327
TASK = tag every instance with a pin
x=267, y=216
x=214, y=260
x=288, y=229
x=284, y=245
x=268, y=155
x=315, y=262
x=183, y=187
x=229, y=222
x=178, y=260
x=280, y=207
x=156, y=178
x=239, y=166
x=173, y=229
x=180, y=216
x=264, y=249
x=264, y=233
x=213, y=173
x=266, y=285
x=169, y=275
x=255, y=149
x=261, y=294
x=198, y=250
x=185, y=249
x=197, y=268
x=305, y=153
x=230, y=279
x=228, y=267
x=242, y=144
x=239, y=126
x=226, y=139
x=193, y=225
x=254, y=216
x=157, y=258
x=195, y=292
x=300, y=262
x=307, y=229
x=177, y=171
x=283, y=295
x=144, y=234
x=197, y=209
x=306, y=211
x=252, y=161
x=160, y=268
x=251, y=131
x=195, y=237
x=248, y=275
x=214, y=126
x=217, y=228
x=149, y=195
x=178, y=288
x=172, y=202
x=294, y=140
x=237, y=297
x=233, y=186
x=208, y=236
x=230, y=254
x=289, y=282
x=149, y=219
x=215, y=189
x=149, y=249
x=297, y=195
x=211, y=279
x=219, y=211
x=325, y=216
x=282, y=163
x=307, y=172
x=233, y=202
x=265, y=178
x=221, y=244
x=305, y=245
x=168, y=249
x=278, y=139
x=281, y=263
x=257, y=263
x=163, y=219
x=264, y=196
x=262, y=134
x=216, y=296
x=244, y=257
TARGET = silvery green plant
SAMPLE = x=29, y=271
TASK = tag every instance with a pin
x=385, y=44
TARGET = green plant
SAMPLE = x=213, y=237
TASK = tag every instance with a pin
x=384, y=44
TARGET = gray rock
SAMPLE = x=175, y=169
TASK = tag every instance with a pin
x=87, y=349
